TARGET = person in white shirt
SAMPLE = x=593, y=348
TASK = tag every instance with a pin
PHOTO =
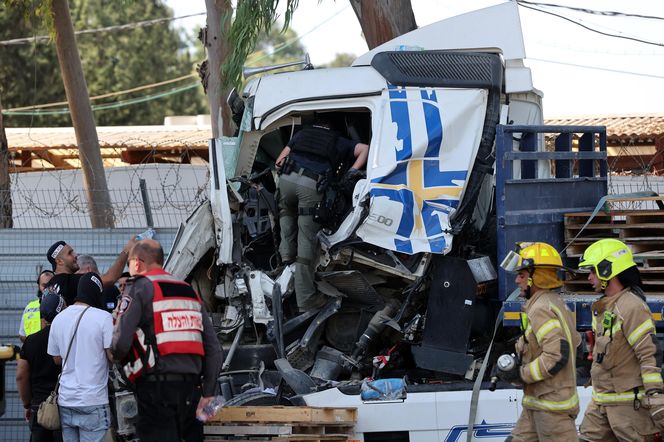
x=83, y=395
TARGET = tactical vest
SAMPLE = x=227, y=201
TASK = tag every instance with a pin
x=178, y=315
x=319, y=142
x=31, y=318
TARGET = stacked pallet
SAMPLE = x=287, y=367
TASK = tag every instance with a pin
x=641, y=230
x=281, y=424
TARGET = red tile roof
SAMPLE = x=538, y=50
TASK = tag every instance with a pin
x=642, y=128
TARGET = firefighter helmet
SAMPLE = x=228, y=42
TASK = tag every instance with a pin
x=532, y=255
x=607, y=258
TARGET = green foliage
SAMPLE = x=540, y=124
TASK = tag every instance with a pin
x=276, y=47
x=112, y=61
x=341, y=60
x=251, y=18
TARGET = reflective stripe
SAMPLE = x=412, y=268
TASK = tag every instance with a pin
x=163, y=277
x=180, y=336
x=561, y=317
x=176, y=304
x=31, y=318
x=616, y=328
x=551, y=405
x=546, y=328
x=535, y=370
x=525, y=324
x=640, y=331
x=594, y=323
x=651, y=377
x=616, y=398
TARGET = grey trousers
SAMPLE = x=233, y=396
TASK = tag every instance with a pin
x=297, y=198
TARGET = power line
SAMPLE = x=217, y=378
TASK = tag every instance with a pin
x=593, y=11
x=523, y=5
x=107, y=106
x=109, y=94
x=596, y=68
x=135, y=25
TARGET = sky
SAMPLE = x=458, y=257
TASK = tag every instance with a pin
x=580, y=72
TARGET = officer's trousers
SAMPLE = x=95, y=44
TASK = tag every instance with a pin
x=617, y=423
x=167, y=411
x=537, y=425
x=297, y=199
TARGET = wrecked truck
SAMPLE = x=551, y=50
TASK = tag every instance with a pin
x=408, y=257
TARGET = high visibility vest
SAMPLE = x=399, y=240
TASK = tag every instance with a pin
x=178, y=315
x=31, y=318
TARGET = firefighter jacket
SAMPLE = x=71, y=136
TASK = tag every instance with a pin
x=163, y=327
x=625, y=356
x=547, y=350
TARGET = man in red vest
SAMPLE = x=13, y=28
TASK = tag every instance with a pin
x=178, y=335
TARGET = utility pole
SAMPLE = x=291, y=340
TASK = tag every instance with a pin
x=6, y=221
x=216, y=45
x=94, y=177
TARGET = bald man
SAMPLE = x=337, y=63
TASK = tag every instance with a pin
x=165, y=340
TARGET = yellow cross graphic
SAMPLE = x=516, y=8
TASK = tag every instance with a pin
x=415, y=174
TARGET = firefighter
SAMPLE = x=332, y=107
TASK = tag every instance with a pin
x=626, y=375
x=545, y=353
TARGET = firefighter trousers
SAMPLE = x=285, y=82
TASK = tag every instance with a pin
x=297, y=199
x=538, y=425
x=617, y=423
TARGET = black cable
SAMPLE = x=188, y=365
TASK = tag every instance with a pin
x=593, y=11
x=607, y=34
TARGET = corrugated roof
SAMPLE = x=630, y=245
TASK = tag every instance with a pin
x=44, y=147
x=619, y=127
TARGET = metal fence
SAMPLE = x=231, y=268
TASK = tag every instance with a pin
x=22, y=257
x=161, y=195
x=132, y=208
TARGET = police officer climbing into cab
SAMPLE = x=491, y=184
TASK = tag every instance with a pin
x=545, y=353
x=179, y=345
x=627, y=398
x=302, y=165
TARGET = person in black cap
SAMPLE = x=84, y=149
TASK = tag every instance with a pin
x=111, y=293
x=36, y=372
x=64, y=260
x=83, y=395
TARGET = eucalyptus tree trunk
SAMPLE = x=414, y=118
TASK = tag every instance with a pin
x=381, y=21
x=94, y=177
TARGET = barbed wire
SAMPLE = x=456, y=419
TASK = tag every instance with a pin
x=55, y=197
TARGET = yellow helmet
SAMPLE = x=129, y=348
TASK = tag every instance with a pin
x=532, y=255
x=608, y=258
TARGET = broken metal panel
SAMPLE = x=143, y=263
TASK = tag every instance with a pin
x=193, y=240
x=220, y=206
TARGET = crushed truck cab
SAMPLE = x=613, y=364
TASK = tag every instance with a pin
x=457, y=171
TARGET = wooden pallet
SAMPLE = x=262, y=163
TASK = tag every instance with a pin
x=641, y=230
x=279, y=423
